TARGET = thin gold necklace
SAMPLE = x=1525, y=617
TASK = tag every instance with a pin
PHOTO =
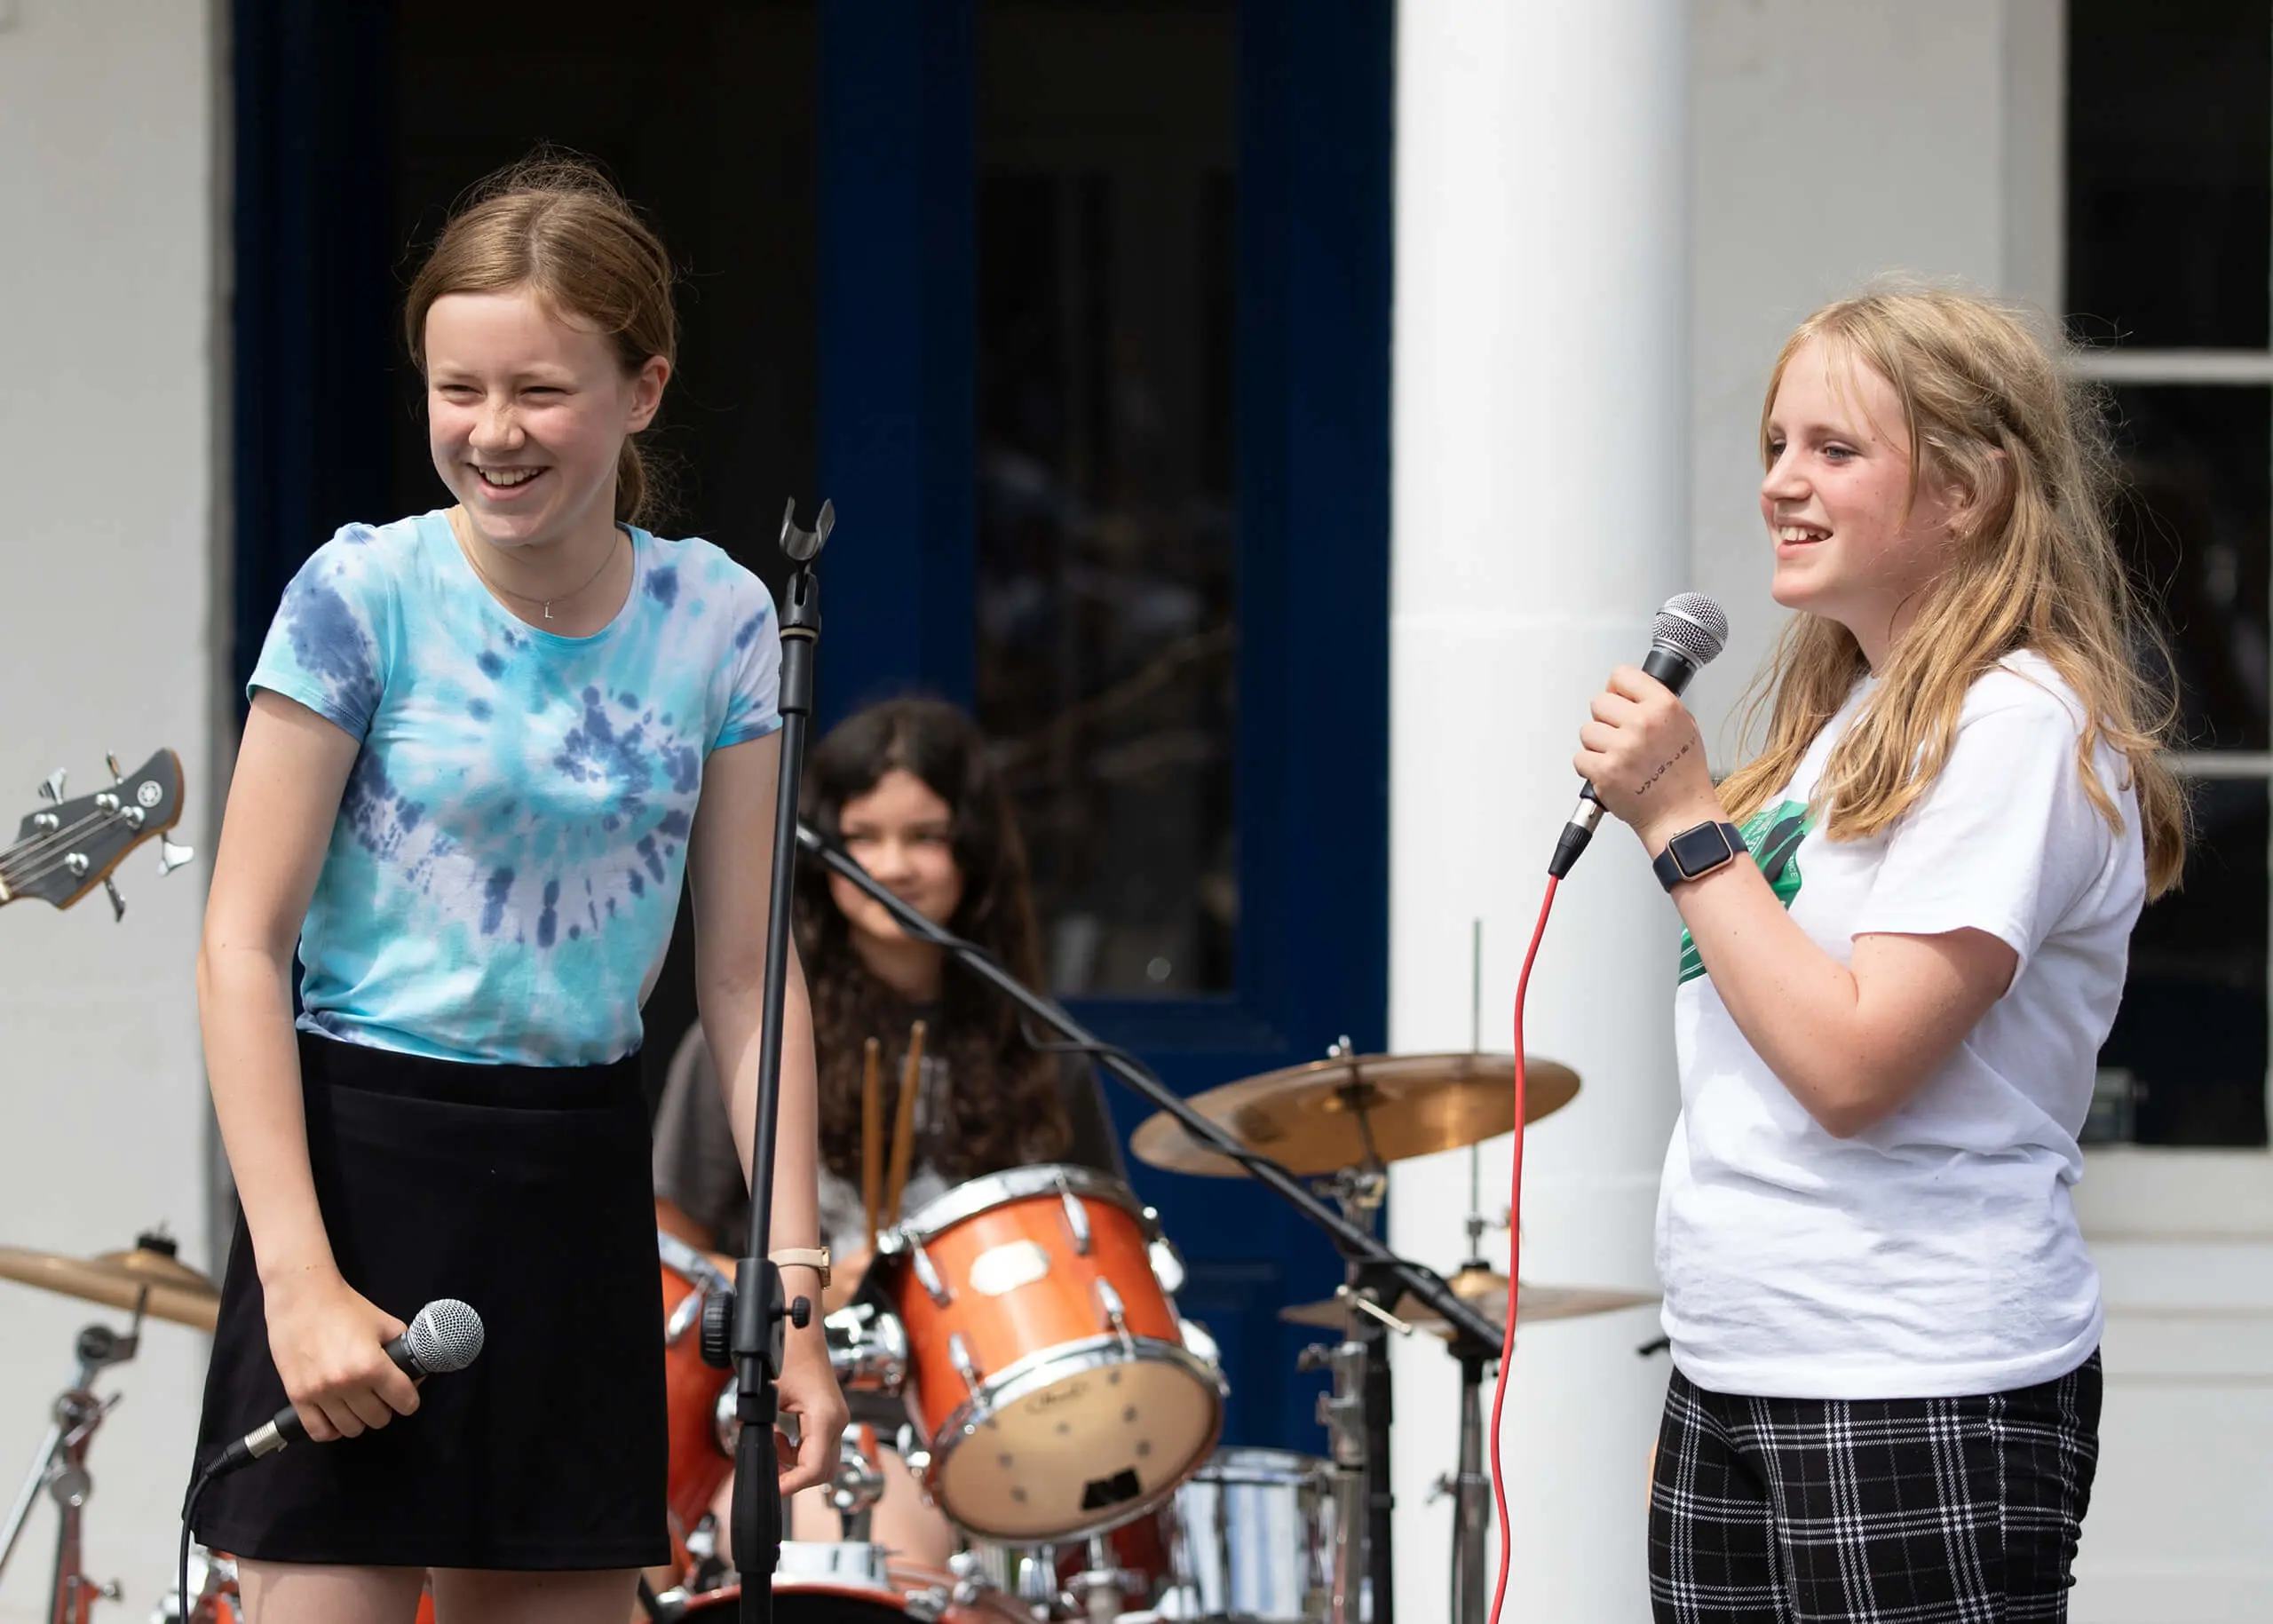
x=489, y=582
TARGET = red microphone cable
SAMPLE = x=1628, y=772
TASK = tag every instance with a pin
x=1515, y=1255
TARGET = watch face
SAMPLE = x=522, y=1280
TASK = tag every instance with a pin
x=1697, y=849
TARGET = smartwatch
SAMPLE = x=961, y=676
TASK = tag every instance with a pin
x=1697, y=851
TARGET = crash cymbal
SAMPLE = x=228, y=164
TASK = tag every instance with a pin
x=1318, y=1118
x=1487, y=1292
x=177, y=1292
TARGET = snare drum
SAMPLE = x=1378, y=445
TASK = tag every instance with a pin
x=1049, y=1380
x=1256, y=1537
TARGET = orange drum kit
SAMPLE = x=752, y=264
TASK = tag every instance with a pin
x=1017, y=1343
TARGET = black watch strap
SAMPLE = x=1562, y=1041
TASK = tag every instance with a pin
x=1697, y=851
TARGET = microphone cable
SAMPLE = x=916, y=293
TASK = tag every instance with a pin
x=1514, y=1255
x=205, y=1475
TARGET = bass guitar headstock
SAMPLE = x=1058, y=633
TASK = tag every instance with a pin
x=66, y=848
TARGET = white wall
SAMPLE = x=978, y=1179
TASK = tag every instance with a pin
x=1831, y=143
x=108, y=334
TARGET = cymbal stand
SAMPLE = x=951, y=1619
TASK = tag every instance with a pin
x=1469, y=1484
x=1357, y=1412
x=61, y=1468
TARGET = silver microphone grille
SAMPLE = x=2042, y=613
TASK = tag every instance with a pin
x=447, y=1335
x=1692, y=626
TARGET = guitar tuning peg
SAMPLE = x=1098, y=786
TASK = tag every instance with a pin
x=51, y=785
x=171, y=857
x=117, y=902
x=110, y=760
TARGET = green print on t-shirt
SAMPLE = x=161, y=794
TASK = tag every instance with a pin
x=1772, y=836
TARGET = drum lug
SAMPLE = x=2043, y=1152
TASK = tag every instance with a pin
x=927, y=1275
x=1077, y=1217
x=927, y=1606
x=1116, y=1314
x=959, y=1356
x=684, y=1315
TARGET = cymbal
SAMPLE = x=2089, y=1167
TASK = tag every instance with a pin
x=1487, y=1291
x=177, y=1292
x=1317, y=1119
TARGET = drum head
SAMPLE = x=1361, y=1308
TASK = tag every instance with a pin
x=1078, y=1445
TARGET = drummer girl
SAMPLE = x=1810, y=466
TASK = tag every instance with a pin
x=486, y=744
x=907, y=788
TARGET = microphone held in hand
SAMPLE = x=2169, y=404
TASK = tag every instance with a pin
x=445, y=1336
x=1686, y=635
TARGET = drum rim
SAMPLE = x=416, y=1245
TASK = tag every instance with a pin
x=1245, y=1464
x=689, y=1262
x=1025, y=1376
x=989, y=1191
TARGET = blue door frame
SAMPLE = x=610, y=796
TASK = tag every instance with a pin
x=897, y=271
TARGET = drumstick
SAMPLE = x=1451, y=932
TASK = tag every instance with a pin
x=872, y=1134
x=903, y=1128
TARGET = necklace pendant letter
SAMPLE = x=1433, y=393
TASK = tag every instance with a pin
x=547, y=611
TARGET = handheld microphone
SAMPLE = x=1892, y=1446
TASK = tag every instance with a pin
x=445, y=1336
x=1686, y=635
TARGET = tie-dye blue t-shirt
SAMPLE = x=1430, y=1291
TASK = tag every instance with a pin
x=506, y=870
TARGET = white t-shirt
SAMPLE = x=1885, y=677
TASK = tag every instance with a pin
x=1935, y=1253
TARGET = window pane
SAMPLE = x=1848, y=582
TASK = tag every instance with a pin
x=2170, y=157
x=2200, y=463
x=1106, y=588
x=2186, y=1063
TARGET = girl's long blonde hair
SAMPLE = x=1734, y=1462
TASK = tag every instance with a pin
x=2030, y=565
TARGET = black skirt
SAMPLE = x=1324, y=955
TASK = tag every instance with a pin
x=524, y=1191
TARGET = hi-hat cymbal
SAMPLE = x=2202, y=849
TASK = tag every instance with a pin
x=1358, y=1109
x=1487, y=1291
x=177, y=1292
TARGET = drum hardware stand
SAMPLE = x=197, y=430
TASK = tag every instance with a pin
x=1376, y=1270
x=748, y=1326
x=1469, y=1484
x=1342, y=1411
x=857, y=1488
x=1102, y=1589
x=61, y=1468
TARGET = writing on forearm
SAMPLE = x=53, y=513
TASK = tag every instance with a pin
x=1649, y=782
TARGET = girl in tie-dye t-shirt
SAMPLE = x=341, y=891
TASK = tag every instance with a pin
x=487, y=747
x=504, y=876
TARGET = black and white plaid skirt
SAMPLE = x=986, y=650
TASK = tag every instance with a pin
x=1960, y=1511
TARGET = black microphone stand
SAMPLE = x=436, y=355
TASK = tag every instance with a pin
x=1377, y=1274
x=750, y=1328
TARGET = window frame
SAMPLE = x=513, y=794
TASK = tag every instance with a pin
x=2127, y=1195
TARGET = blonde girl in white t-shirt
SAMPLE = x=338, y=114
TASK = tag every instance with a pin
x=1907, y=922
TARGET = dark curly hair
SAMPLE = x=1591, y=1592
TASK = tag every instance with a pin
x=1003, y=1103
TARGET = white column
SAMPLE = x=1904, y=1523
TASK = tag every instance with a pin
x=1540, y=515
